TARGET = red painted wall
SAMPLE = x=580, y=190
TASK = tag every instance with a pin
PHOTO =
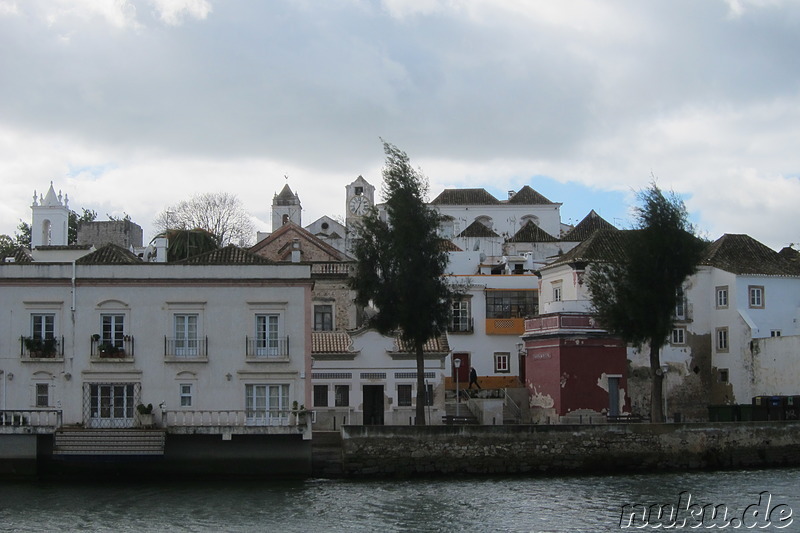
x=568, y=369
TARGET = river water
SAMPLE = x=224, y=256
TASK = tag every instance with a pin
x=535, y=504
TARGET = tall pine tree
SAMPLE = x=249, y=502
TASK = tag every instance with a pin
x=636, y=297
x=400, y=264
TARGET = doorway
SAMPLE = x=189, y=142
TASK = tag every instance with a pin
x=613, y=396
x=463, y=370
x=373, y=405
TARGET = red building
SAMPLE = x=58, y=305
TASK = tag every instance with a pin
x=570, y=364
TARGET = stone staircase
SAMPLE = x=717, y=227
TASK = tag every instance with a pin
x=326, y=453
x=464, y=415
x=108, y=442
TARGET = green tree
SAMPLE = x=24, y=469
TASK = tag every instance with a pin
x=401, y=265
x=636, y=296
x=185, y=243
x=75, y=220
x=23, y=234
x=7, y=246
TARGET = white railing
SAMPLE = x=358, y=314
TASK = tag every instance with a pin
x=231, y=418
x=31, y=418
x=330, y=268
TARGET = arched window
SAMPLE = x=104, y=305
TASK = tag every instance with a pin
x=46, y=233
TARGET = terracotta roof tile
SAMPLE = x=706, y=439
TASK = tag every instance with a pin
x=476, y=229
x=229, y=255
x=603, y=245
x=447, y=245
x=19, y=255
x=530, y=232
x=586, y=227
x=434, y=345
x=465, y=197
x=742, y=254
x=331, y=342
x=110, y=254
x=528, y=196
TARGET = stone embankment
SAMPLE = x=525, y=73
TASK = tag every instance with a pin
x=407, y=450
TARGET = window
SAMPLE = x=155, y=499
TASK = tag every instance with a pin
x=680, y=304
x=404, y=395
x=43, y=326
x=501, y=362
x=42, y=395
x=775, y=333
x=511, y=304
x=722, y=297
x=723, y=375
x=756, y=296
x=460, y=320
x=323, y=317
x=186, y=335
x=557, y=293
x=342, y=395
x=113, y=330
x=186, y=394
x=267, y=342
x=678, y=336
x=267, y=405
x=320, y=396
x=722, y=339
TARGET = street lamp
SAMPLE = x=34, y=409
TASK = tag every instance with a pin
x=457, y=364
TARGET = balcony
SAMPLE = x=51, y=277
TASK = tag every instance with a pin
x=36, y=421
x=107, y=350
x=36, y=349
x=330, y=269
x=267, y=349
x=559, y=323
x=230, y=422
x=186, y=349
x=461, y=325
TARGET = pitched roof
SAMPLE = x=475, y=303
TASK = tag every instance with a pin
x=603, y=245
x=434, y=345
x=742, y=254
x=110, y=254
x=590, y=223
x=447, y=245
x=331, y=342
x=286, y=197
x=291, y=227
x=530, y=232
x=476, y=229
x=527, y=196
x=19, y=255
x=465, y=197
x=229, y=255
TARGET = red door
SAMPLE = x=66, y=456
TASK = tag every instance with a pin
x=463, y=370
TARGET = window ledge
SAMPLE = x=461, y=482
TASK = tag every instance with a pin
x=42, y=359
x=172, y=359
x=254, y=359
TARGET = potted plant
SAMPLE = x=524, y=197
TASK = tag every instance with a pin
x=96, y=337
x=107, y=349
x=299, y=413
x=40, y=348
x=145, y=414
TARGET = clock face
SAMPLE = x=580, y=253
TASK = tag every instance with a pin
x=358, y=205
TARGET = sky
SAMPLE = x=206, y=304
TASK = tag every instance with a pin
x=130, y=106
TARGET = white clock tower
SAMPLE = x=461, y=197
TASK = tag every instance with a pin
x=360, y=197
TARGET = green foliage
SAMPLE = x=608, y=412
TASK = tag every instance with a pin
x=87, y=215
x=7, y=245
x=636, y=296
x=23, y=234
x=401, y=264
x=185, y=243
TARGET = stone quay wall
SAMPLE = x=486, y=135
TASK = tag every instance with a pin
x=438, y=450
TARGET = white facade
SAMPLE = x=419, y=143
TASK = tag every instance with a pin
x=222, y=345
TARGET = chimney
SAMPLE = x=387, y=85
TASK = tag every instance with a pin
x=511, y=194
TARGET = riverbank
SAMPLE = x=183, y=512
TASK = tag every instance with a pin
x=376, y=451
x=409, y=451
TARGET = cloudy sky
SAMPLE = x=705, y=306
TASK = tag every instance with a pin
x=132, y=105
